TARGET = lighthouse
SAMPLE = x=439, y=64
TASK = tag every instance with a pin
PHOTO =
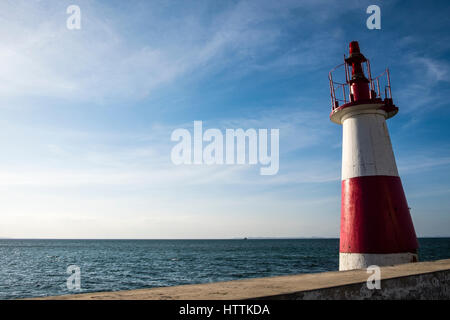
x=376, y=225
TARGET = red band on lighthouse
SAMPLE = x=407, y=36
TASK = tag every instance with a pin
x=375, y=216
x=376, y=225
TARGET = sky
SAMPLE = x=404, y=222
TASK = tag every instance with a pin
x=86, y=115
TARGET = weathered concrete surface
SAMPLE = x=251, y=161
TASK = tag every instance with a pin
x=423, y=280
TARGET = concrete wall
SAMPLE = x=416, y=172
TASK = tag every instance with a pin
x=422, y=280
x=435, y=285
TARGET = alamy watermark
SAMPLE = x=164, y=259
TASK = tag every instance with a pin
x=374, y=280
x=231, y=150
x=374, y=20
x=74, y=280
x=73, y=22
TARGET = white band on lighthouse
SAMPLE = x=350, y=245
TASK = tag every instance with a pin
x=350, y=261
x=366, y=146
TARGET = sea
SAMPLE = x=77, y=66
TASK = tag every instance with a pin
x=36, y=268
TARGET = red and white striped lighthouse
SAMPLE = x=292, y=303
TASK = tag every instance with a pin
x=376, y=226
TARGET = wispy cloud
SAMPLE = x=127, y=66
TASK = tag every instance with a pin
x=98, y=62
x=421, y=163
x=435, y=70
x=425, y=75
x=143, y=159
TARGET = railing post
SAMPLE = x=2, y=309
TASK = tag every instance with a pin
x=378, y=87
x=331, y=94
x=347, y=75
x=343, y=90
x=369, y=72
x=333, y=97
x=389, y=82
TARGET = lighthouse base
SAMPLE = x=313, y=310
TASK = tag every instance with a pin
x=350, y=261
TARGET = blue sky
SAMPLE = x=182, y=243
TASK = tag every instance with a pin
x=86, y=115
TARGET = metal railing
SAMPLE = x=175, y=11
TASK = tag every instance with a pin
x=341, y=93
x=387, y=86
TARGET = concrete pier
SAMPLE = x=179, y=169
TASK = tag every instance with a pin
x=422, y=280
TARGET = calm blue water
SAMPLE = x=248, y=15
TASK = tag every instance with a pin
x=30, y=268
